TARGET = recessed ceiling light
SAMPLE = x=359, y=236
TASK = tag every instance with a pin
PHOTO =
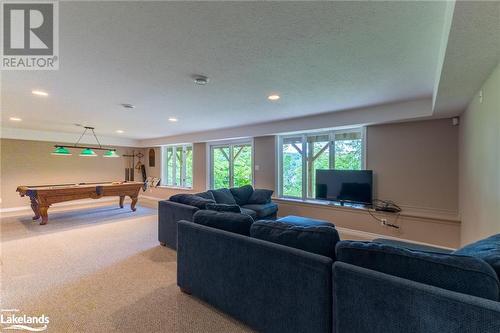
x=172, y=119
x=39, y=93
x=128, y=106
x=273, y=97
x=200, y=79
x=15, y=119
x=119, y=131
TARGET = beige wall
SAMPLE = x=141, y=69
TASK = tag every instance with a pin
x=199, y=173
x=154, y=171
x=30, y=163
x=265, y=162
x=431, y=230
x=416, y=164
x=480, y=163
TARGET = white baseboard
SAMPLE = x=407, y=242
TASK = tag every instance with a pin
x=150, y=198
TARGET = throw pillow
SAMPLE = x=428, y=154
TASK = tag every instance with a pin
x=487, y=249
x=206, y=195
x=224, y=208
x=242, y=194
x=260, y=197
x=223, y=196
x=191, y=200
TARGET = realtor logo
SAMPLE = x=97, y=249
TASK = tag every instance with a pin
x=15, y=320
x=30, y=35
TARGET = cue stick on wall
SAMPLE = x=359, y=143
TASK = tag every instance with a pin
x=132, y=167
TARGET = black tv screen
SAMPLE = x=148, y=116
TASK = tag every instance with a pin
x=345, y=185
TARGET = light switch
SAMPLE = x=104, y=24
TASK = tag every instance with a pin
x=257, y=167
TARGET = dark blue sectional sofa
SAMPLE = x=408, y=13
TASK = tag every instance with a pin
x=369, y=301
x=403, y=288
x=255, y=203
x=269, y=286
x=275, y=282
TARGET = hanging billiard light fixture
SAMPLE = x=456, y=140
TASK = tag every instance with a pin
x=87, y=152
x=62, y=150
x=111, y=153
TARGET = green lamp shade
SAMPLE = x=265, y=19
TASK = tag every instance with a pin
x=61, y=151
x=87, y=152
x=110, y=153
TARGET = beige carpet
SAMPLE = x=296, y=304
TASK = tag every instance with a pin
x=99, y=270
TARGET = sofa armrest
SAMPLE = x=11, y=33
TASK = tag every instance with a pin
x=270, y=287
x=169, y=213
x=370, y=301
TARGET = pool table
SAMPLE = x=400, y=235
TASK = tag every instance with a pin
x=45, y=195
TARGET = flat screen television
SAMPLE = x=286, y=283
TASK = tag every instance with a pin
x=351, y=186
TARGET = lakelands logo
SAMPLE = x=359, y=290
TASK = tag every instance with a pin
x=12, y=319
x=30, y=32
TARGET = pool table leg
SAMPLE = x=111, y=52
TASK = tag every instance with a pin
x=122, y=197
x=134, y=202
x=36, y=209
x=43, y=213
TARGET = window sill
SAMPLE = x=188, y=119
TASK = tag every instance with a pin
x=409, y=212
x=175, y=187
x=322, y=203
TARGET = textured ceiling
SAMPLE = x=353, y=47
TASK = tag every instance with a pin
x=319, y=56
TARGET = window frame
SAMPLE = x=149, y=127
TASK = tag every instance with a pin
x=304, y=135
x=231, y=144
x=165, y=169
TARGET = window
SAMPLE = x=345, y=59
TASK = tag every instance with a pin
x=230, y=165
x=301, y=155
x=292, y=167
x=177, y=166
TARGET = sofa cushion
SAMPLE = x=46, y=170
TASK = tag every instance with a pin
x=462, y=274
x=316, y=239
x=260, y=197
x=242, y=194
x=224, y=208
x=250, y=212
x=223, y=196
x=206, y=195
x=264, y=210
x=487, y=249
x=191, y=200
x=233, y=222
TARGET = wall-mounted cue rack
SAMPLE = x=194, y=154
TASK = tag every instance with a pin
x=129, y=170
